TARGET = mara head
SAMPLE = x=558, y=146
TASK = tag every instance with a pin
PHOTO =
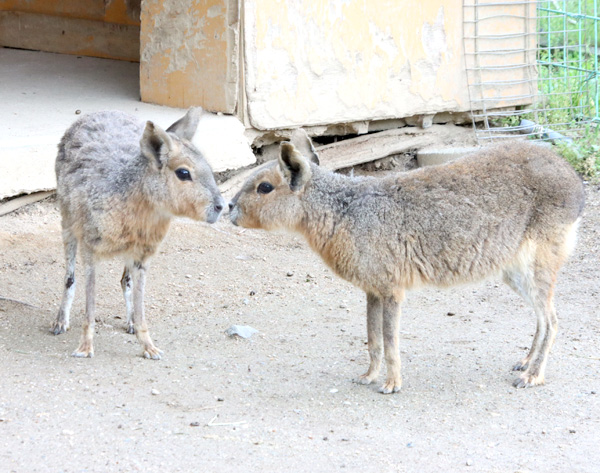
x=186, y=179
x=272, y=197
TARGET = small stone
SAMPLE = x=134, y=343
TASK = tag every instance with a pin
x=252, y=293
x=451, y=314
x=289, y=274
x=194, y=424
x=220, y=399
x=469, y=462
x=243, y=331
x=333, y=391
x=188, y=276
x=77, y=112
x=155, y=392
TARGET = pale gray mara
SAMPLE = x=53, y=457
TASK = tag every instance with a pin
x=512, y=210
x=119, y=184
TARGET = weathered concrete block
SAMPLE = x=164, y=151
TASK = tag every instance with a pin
x=434, y=156
x=189, y=53
x=221, y=140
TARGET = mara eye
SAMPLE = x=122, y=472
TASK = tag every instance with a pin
x=183, y=174
x=264, y=188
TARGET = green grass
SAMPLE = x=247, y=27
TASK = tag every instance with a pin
x=568, y=79
x=578, y=27
x=584, y=154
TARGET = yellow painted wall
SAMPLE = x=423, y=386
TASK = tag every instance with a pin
x=189, y=53
x=311, y=62
x=123, y=12
x=99, y=28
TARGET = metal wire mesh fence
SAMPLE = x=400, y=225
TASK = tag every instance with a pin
x=532, y=67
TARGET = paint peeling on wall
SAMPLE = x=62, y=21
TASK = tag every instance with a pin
x=311, y=62
x=100, y=28
x=189, y=53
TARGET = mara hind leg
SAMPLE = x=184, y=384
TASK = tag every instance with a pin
x=86, y=345
x=521, y=280
x=534, y=280
x=61, y=324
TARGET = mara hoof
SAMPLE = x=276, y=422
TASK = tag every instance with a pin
x=521, y=365
x=83, y=354
x=85, y=350
x=391, y=386
x=528, y=381
x=58, y=328
x=153, y=353
x=364, y=379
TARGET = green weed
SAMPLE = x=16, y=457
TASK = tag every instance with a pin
x=584, y=153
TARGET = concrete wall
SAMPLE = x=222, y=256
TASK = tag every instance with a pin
x=189, y=53
x=311, y=62
x=314, y=62
x=99, y=28
x=279, y=64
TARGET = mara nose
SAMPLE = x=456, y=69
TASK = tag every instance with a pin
x=230, y=206
x=218, y=204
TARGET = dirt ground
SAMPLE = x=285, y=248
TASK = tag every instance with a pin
x=283, y=400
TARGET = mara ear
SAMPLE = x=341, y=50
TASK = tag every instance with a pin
x=155, y=144
x=295, y=167
x=185, y=128
x=304, y=144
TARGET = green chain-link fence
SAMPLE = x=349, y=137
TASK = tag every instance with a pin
x=532, y=67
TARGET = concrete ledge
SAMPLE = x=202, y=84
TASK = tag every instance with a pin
x=434, y=156
x=41, y=94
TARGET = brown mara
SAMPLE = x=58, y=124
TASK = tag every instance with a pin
x=509, y=210
x=119, y=184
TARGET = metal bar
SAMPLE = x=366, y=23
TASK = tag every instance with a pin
x=575, y=15
x=465, y=59
x=525, y=111
x=514, y=50
x=546, y=63
x=492, y=68
x=505, y=98
x=496, y=4
x=516, y=35
x=565, y=43
x=504, y=82
x=525, y=81
x=596, y=97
